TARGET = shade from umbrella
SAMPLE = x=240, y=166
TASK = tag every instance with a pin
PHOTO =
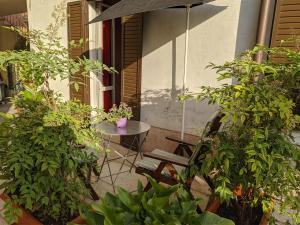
x=130, y=7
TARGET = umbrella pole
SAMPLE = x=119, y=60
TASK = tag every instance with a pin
x=188, y=10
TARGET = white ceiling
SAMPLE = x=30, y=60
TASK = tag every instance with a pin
x=8, y=7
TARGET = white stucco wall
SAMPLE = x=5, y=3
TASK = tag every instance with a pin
x=39, y=17
x=95, y=44
x=218, y=32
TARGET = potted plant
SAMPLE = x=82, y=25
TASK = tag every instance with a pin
x=120, y=115
x=160, y=205
x=41, y=145
x=252, y=161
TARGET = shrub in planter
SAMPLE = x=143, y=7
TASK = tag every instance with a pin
x=41, y=154
x=41, y=145
x=254, y=152
x=160, y=205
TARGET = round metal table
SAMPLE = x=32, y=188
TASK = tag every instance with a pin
x=132, y=128
x=137, y=129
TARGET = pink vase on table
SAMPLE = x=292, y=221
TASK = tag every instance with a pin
x=121, y=123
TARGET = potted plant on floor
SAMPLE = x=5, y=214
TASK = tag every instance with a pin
x=120, y=115
x=41, y=145
x=252, y=161
x=160, y=205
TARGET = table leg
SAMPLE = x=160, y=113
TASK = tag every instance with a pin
x=139, y=150
x=105, y=160
x=111, y=178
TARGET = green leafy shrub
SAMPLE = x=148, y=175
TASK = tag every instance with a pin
x=254, y=151
x=158, y=206
x=41, y=145
x=41, y=154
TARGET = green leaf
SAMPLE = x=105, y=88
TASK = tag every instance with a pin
x=44, y=166
x=76, y=86
x=208, y=218
x=226, y=164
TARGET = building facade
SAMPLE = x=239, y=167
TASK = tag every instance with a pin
x=148, y=52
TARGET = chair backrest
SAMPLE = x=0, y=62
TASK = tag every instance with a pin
x=211, y=128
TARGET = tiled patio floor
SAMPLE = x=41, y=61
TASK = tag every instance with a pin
x=129, y=180
x=7, y=108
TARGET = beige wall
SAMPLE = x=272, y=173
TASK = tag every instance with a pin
x=39, y=17
x=218, y=32
x=95, y=36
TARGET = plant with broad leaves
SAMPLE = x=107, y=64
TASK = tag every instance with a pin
x=160, y=205
x=254, y=151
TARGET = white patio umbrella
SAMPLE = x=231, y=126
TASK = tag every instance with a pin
x=130, y=7
x=188, y=13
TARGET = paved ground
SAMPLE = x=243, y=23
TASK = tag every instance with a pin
x=129, y=180
x=6, y=108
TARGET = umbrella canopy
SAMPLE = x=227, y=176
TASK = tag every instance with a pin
x=130, y=7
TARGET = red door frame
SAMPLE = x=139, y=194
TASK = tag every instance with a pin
x=107, y=78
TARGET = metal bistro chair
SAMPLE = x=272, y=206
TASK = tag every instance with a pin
x=164, y=166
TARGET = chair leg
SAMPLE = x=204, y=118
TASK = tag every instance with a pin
x=179, y=150
x=209, y=182
x=156, y=175
x=188, y=150
x=93, y=193
x=88, y=185
x=147, y=187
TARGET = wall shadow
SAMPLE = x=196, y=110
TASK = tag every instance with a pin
x=162, y=109
x=199, y=14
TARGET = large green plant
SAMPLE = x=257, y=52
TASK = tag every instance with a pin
x=41, y=145
x=159, y=206
x=254, y=151
x=41, y=156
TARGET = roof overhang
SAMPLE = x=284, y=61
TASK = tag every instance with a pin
x=9, y=7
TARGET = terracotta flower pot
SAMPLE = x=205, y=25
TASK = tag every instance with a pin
x=79, y=220
x=28, y=219
x=214, y=204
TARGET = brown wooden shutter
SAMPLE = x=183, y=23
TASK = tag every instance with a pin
x=77, y=30
x=132, y=29
x=286, y=26
x=286, y=22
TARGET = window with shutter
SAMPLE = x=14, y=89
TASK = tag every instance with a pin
x=132, y=28
x=77, y=30
x=286, y=23
x=287, y=27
